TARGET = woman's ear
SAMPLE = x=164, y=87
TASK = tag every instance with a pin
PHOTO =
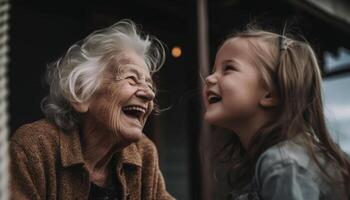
x=269, y=99
x=81, y=107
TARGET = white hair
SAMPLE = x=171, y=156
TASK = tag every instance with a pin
x=78, y=74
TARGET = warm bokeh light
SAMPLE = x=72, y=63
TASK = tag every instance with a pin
x=176, y=51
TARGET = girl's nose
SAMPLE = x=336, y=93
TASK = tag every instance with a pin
x=211, y=80
x=145, y=93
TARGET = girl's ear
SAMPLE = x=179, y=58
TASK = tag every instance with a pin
x=81, y=107
x=269, y=99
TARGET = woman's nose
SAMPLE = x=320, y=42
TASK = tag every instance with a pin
x=210, y=80
x=145, y=93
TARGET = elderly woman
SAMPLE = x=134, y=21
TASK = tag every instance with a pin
x=91, y=145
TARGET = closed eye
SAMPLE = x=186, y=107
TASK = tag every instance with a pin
x=133, y=80
x=230, y=68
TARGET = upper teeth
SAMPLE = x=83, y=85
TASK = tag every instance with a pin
x=135, y=108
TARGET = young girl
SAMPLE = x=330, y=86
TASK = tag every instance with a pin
x=266, y=89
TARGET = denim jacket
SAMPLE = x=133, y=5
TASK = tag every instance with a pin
x=287, y=172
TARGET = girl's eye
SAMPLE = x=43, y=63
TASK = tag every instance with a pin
x=229, y=68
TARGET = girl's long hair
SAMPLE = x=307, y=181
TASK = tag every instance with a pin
x=293, y=75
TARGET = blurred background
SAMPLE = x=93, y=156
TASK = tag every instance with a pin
x=41, y=31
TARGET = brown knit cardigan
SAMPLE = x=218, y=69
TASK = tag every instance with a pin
x=48, y=164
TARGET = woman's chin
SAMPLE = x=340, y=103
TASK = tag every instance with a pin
x=132, y=135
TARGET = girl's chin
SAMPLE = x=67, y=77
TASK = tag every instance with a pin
x=214, y=121
x=209, y=118
x=211, y=122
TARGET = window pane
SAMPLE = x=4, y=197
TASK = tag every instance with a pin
x=337, y=108
x=339, y=61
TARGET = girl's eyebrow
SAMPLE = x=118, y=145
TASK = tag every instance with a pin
x=231, y=60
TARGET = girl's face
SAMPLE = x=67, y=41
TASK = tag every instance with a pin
x=234, y=90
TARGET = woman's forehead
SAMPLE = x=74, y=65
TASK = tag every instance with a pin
x=130, y=61
x=131, y=58
x=130, y=67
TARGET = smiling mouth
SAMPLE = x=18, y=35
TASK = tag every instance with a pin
x=134, y=111
x=213, y=98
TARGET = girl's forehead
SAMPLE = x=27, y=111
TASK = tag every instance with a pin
x=234, y=48
x=236, y=43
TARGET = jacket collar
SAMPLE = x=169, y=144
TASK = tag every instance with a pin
x=71, y=151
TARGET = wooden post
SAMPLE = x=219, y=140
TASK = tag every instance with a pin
x=203, y=69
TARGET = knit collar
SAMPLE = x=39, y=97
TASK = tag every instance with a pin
x=71, y=151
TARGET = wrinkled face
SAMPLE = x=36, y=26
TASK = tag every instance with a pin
x=125, y=99
x=234, y=89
